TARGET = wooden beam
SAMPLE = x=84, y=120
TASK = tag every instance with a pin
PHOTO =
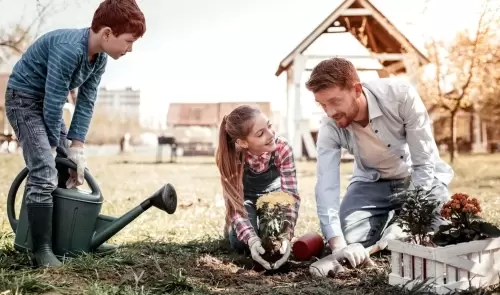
x=371, y=38
x=313, y=35
x=390, y=29
x=395, y=67
x=336, y=30
x=356, y=12
x=363, y=69
x=379, y=56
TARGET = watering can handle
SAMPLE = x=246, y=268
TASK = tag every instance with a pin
x=11, y=197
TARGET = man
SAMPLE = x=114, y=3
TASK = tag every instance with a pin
x=385, y=125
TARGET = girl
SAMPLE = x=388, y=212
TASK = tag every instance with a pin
x=252, y=162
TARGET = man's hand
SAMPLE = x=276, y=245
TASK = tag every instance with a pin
x=355, y=253
x=285, y=251
x=76, y=154
x=256, y=250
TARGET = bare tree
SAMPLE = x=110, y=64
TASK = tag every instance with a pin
x=458, y=67
x=16, y=37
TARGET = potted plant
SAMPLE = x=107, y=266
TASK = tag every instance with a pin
x=273, y=224
x=461, y=254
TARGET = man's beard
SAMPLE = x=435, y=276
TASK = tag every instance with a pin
x=348, y=118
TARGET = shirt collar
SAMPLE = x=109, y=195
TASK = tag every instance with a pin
x=263, y=156
x=373, y=107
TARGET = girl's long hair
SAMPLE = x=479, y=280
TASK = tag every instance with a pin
x=230, y=159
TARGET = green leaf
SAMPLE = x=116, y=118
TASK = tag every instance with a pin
x=489, y=229
x=455, y=234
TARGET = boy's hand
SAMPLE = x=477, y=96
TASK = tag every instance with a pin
x=77, y=155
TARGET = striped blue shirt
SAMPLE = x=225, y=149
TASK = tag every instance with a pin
x=53, y=65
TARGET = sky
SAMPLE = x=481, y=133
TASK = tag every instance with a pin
x=229, y=50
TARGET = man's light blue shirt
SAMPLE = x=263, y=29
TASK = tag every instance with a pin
x=400, y=120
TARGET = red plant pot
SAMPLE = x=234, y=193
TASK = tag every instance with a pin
x=307, y=246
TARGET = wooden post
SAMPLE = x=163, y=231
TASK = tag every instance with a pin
x=288, y=118
x=299, y=64
x=411, y=63
x=477, y=145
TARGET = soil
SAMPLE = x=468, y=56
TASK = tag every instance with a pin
x=272, y=245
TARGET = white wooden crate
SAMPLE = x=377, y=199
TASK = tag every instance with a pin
x=449, y=268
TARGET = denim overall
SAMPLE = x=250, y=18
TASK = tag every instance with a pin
x=255, y=185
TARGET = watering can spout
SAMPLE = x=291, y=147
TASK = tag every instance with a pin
x=164, y=199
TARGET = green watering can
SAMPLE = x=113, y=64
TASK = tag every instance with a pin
x=77, y=225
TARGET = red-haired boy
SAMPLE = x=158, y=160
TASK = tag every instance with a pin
x=54, y=64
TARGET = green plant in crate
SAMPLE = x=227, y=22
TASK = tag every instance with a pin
x=417, y=214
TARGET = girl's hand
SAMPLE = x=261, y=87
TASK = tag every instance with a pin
x=285, y=251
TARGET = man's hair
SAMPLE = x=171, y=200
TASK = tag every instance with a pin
x=332, y=72
x=122, y=16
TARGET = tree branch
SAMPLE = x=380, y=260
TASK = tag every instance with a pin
x=474, y=58
x=19, y=37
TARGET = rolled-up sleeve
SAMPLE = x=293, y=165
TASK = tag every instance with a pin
x=327, y=188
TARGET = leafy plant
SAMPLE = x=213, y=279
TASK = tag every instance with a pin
x=418, y=211
x=466, y=225
x=272, y=220
x=273, y=223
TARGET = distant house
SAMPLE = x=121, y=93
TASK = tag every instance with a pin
x=206, y=114
x=194, y=125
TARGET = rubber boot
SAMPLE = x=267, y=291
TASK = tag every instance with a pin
x=106, y=248
x=40, y=220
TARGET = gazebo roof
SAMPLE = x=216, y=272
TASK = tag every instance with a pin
x=369, y=26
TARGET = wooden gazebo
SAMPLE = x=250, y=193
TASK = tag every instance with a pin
x=394, y=54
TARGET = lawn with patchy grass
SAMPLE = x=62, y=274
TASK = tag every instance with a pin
x=185, y=253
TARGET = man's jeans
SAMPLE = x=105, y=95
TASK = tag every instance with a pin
x=366, y=209
x=25, y=114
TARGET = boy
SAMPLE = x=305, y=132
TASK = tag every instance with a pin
x=38, y=87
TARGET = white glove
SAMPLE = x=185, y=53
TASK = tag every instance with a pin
x=392, y=232
x=285, y=251
x=77, y=155
x=324, y=266
x=355, y=253
x=256, y=250
x=54, y=152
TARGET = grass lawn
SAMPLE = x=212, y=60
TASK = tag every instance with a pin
x=185, y=253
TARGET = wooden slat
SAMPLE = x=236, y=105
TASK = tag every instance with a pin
x=396, y=264
x=407, y=266
x=356, y=12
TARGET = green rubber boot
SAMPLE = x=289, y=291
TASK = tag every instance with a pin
x=40, y=220
x=106, y=249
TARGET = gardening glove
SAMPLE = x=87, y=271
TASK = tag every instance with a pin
x=256, y=250
x=392, y=232
x=285, y=251
x=77, y=155
x=355, y=253
x=326, y=266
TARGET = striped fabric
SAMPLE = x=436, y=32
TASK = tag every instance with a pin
x=53, y=65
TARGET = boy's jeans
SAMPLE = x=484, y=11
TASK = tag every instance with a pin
x=25, y=114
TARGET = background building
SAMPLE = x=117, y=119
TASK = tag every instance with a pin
x=122, y=104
